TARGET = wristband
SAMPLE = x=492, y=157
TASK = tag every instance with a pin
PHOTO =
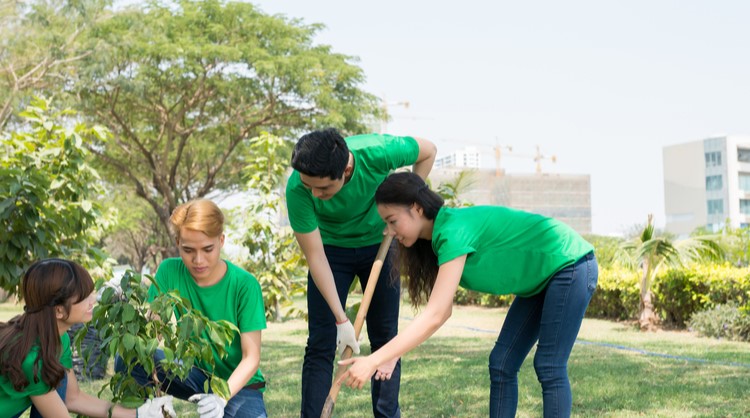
x=342, y=322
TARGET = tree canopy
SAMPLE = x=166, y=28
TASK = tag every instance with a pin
x=184, y=85
x=40, y=45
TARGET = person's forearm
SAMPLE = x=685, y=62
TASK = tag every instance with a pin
x=425, y=159
x=324, y=281
x=85, y=404
x=242, y=374
x=312, y=247
x=422, y=328
x=422, y=169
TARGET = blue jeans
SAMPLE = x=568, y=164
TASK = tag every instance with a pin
x=552, y=317
x=382, y=326
x=62, y=389
x=247, y=403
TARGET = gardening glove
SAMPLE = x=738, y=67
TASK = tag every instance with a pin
x=153, y=408
x=112, y=284
x=345, y=336
x=209, y=405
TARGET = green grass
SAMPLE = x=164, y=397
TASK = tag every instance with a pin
x=447, y=376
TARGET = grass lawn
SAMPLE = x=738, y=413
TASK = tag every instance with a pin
x=447, y=376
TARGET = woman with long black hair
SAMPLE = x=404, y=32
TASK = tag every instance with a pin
x=492, y=249
x=35, y=355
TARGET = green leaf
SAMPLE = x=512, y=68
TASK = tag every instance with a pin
x=128, y=341
x=128, y=313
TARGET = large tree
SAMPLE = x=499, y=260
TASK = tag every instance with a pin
x=40, y=45
x=184, y=85
x=135, y=239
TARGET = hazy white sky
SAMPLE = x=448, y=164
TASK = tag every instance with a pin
x=602, y=85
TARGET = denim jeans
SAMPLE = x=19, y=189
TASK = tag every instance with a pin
x=247, y=403
x=62, y=389
x=382, y=326
x=553, y=318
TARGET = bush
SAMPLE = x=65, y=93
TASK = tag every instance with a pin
x=470, y=297
x=617, y=294
x=723, y=321
x=680, y=293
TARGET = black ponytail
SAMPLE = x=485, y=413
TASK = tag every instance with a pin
x=418, y=262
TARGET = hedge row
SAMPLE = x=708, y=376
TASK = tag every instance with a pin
x=678, y=293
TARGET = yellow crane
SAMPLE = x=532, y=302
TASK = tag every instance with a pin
x=385, y=105
x=500, y=150
x=537, y=157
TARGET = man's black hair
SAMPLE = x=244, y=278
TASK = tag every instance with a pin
x=321, y=153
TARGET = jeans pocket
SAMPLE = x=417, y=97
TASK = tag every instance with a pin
x=592, y=270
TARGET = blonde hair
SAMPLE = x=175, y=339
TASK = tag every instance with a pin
x=198, y=215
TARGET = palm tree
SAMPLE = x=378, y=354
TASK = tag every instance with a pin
x=650, y=253
x=452, y=191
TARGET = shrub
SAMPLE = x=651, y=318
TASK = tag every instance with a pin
x=723, y=321
x=470, y=297
x=127, y=328
x=680, y=293
x=617, y=294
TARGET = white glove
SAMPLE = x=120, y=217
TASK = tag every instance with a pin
x=209, y=405
x=345, y=336
x=112, y=284
x=153, y=408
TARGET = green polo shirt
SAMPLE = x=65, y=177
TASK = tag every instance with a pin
x=236, y=298
x=507, y=251
x=350, y=218
x=12, y=402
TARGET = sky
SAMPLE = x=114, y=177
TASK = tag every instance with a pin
x=602, y=85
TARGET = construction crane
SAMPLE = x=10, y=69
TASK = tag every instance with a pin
x=500, y=150
x=498, y=153
x=537, y=157
x=385, y=105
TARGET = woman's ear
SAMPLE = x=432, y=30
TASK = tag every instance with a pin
x=59, y=312
x=419, y=209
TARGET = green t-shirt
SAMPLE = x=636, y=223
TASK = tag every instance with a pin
x=236, y=298
x=508, y=251
x=350, y=218
x=12, y=402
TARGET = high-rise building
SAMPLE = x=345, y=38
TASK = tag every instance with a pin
x=468, y=157
x=707, y=184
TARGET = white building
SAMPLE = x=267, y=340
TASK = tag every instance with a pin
x=468, y=157
x=707, y=184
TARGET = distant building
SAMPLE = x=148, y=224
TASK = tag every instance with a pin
x=566, y=197
x=707, y=184
x=468, y=157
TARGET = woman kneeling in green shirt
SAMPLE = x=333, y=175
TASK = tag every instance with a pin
x=491, y=249
x=35, y=357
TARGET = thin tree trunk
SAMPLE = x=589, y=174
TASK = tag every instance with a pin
x=647, y=318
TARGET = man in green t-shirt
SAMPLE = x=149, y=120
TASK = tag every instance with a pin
x=221, y=291
x=330, y=199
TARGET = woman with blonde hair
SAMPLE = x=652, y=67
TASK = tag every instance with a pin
x=221, y=291
x=35, y=355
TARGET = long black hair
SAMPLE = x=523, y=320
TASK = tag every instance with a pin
x=46, y=284
x=418, y=262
